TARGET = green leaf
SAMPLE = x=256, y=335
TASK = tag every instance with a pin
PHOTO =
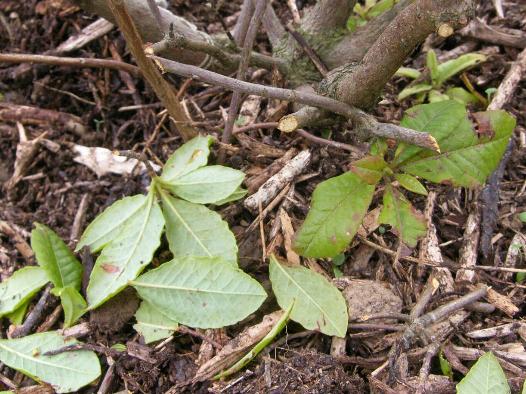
x=435, y=96
x=127, y=254
x=407, y=222
x=410, y=183
x=73, y=303
x=152, y=324
x=203, y=292
x=452, y=67
x=55, y=258
x=408, y=73
x=445, y=367
x=432, y=66
x=110, y=223
x=190, y=156
x=522, y=217
x=193, y=229
x=467, y=159
x=338, y=207
x=65, y=372
x=378, y=147
x=414, y=89
x=20, y=287
x=238, y=193
x=485, y=377
x=369, y=168
x=380, y=7
x=17, y=316
x=206, y=185
x=462, y=95
x=446, y=121
x=318, y=304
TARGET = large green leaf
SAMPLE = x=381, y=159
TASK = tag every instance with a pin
x=20, y=287
x=65, y=372
x=110, y=223
x=206, y=185
x=318, y=304
x=407, y=222
x=193, y=229
x=54, y=256
x=152, y=324
x=127, y=254
x=452, y=67
x=201, y=292
x=467, y=159
x=446, y=121
x=191, y=155
x=485, y=377
x=338, y=207
x=73, y=304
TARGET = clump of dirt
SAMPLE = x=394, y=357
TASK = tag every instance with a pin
x=365, y=297
x=304, y=372
x=115, y=313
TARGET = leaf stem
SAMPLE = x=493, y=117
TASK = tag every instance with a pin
x=282, y=322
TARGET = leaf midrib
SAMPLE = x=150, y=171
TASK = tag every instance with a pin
x=189, y=289
x=38, y=361
x=307, y=295
x=166, y=199
x=448, y=153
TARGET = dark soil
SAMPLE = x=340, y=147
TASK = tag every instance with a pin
x=54, y=185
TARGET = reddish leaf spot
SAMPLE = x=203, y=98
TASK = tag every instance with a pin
x=333, y=239
x=109, y=268
x=483, y=125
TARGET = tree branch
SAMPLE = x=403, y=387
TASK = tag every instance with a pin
x=327, y=15
x=164, y=91
x=360, y=119
x=80, y=62
x=248, y=43
x=361, y=84
x=228, y=60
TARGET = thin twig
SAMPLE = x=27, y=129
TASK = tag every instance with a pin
x=366, y=122
x=81, y=62
x=227, y=59
x=154, y=9
x=186, y=330
x=34, y=316
x=313, y=56
x=235, y=102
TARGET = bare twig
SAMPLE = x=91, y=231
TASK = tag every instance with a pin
x=307, y=49
x=278, y=181
x=364, y=121
x=479, y=30
x=79, y=62
x=303, y=133
x=227, y=59
x=154, y=9
x=34, y=316
x=236, y=100
x=163, y=89
x=78, y=222
x=417, y=328
x=20, y=243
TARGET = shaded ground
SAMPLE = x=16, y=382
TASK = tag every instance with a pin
x=55, y=184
